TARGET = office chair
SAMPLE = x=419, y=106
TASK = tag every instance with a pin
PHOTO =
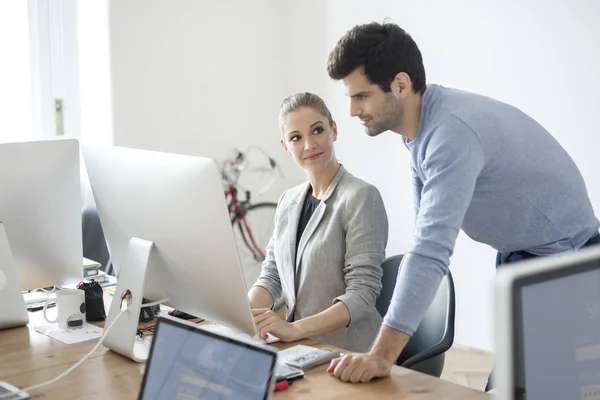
x=94, y=244
x=425, y=351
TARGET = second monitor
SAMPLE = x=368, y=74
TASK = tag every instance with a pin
x=169, y=235
x=40, y=221
x=548, y=327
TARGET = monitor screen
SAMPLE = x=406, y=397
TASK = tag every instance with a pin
x=188, y=363
x=558, y=340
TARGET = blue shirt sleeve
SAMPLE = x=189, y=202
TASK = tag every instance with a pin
x=452, y=161
x=417, y=189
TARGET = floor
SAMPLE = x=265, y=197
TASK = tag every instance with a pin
x=467, y=366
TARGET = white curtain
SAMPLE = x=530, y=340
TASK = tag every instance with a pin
x=16, y=122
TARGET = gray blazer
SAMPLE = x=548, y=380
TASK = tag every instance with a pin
x=338, y=259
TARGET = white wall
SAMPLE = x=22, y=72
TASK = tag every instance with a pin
x=94, y=72
x=200, y=78
x=541, y=56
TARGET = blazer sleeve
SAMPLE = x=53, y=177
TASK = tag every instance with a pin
x=366, y=230
x=269, y=275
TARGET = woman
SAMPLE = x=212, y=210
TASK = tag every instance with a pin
x=324, y=258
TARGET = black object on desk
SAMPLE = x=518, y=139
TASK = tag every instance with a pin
x=94, y=302
x=181, y=314
x=38, y=306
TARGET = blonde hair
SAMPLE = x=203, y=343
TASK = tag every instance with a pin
x=299, y=100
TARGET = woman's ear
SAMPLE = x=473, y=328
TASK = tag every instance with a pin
x=283, y=146
x=335, y=132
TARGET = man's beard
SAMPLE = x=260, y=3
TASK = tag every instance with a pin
x=390, y=118
x=376, y=128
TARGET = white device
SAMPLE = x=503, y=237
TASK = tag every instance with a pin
x=70, y=309
x=314, y=358
x=40, y=221
x=548, y=327
x=169, y=235
x=6, y=388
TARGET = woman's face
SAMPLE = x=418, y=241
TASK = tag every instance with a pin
x=308, y=138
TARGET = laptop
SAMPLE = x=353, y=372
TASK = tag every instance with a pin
x=548, y=328
x=189, y=363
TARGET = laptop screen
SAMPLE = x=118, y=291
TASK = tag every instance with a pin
x=558, y=340
x=189, y=363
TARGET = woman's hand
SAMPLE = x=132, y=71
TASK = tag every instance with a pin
x=268, y=321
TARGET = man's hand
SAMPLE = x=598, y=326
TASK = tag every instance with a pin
x=268, y=321
x=375, y=364
x=359, y=367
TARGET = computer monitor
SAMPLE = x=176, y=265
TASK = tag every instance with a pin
x=40, y=221
x=165, y=218
x=548, y=327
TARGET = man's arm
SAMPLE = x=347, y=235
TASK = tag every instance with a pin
x=417, y=189
x=452, y=163
x=389, y=342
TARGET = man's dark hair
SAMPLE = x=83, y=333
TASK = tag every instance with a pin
x=384, y=50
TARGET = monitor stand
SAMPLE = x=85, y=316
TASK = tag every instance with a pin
x=122, y=337
x=13, y=312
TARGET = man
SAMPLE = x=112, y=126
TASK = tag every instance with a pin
x=478, y=164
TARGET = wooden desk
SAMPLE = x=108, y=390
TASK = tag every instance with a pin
x=28, y=357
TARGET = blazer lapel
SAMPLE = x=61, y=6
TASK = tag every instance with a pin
x=294, y=213
x=316, y=218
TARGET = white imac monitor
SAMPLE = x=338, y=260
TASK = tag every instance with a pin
x=169, y=235
x=40, y=221
x=548, y=328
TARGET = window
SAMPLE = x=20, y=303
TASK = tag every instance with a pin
x=54, y=75
x=15, y=79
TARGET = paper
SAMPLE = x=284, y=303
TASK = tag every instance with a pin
x=70, y=336
x=37, y=297
x=87, y=263
x=225, y=331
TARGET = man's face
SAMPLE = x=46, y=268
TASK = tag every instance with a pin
x=377, y=110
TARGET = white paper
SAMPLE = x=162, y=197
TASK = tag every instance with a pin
x=225, y=331
x=70, y=336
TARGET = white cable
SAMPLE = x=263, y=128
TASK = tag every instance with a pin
x=78, y=363
x=155, y=303
x=54, y=289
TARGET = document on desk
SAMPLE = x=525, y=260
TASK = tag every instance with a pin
x=70, y=336
x=225, y=331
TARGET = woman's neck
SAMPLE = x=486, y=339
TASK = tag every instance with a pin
x=321, y=180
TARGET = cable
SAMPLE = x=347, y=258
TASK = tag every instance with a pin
x=78, y=363
x=155, y=303
x=54, y=288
